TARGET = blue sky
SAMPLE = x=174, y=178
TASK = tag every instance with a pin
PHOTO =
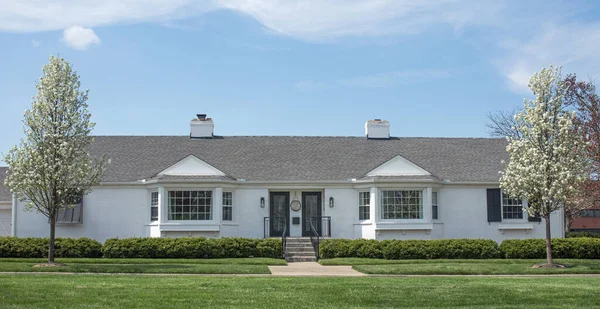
x=433, y=68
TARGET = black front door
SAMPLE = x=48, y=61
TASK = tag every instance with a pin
x=279, y=213
x=311, y=212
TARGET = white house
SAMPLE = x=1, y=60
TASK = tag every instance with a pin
x=374, y=186
x=5, y=206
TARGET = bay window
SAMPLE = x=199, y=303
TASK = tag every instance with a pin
x=190, y=205
x=434, y=206
x=154, y=206
x=364, y=205
x=227, y=206
x=401, y=204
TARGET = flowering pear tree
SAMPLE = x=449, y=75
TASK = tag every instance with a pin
x=51, y=167
x=548, y=162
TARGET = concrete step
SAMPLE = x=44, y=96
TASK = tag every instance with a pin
x=301, y=256
x=298, y=245
x=300, y=259
x=300, y=249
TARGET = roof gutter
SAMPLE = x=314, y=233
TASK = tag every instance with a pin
x=304, y=182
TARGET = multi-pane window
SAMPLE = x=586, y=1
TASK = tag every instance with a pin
x=434, y=206
x=154, y=206
x=402, y=204
x=190, y=205
x=364, y=205
x=227, y=206
x=512, y=208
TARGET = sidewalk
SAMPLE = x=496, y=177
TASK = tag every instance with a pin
x=308, y=269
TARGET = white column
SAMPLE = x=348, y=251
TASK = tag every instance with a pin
x=163, y=203
x=217, y=205
x=374, y=205
x=427, y=204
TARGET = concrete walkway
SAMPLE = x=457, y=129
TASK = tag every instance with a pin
x=308, y=269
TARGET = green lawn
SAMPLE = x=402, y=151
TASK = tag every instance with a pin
x=94, y=291
x=147, y=266
x=463, y=267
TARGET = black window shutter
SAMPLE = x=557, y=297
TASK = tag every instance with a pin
x=494, y=205
x=536, y=218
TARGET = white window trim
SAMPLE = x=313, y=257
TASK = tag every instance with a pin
x=437, y=204
x=426, y=204
x=233, y=215
x=150, y=208
x=365, y=221
x=523, y=205
x=214, y=213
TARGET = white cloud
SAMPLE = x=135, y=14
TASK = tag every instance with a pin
x=80, y=38
x=395, y=78
x=573, y=46
x=306, y=19
x=534, y=43
x=44, y=15
x=318, y=19
x=35, y=43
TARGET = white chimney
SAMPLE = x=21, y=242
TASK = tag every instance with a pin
x=201, y=127
x=377, y=129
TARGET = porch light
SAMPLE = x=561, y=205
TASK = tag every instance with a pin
x=262, y=202
x=331, y=201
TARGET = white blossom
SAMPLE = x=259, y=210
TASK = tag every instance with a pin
x=548, y=162
x=51, y=164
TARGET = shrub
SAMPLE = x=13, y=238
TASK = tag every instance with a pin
x=191, y=248
x=411, y=249
x=335, y=248
x=582, y=234
x=574, y=248
x=441, y=249
x=38, y=247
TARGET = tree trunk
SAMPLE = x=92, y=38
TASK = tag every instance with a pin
x=52, y=236
x=548, y=241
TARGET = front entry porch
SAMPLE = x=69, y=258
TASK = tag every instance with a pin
x=296, y=213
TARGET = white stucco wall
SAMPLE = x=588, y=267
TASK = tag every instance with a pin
x=5, y=218
x=125, y=212
x=463, y=210
x=107, y=213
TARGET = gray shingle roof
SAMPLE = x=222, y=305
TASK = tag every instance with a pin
x=297, y=158
x=5, y=195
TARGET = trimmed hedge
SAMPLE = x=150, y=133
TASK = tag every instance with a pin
x=566, y=248
x=191, y=248
x=582, y=234
x=203, y=248
x=411, y=249
x=38, y=247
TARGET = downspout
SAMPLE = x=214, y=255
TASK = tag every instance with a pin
x=13, y=218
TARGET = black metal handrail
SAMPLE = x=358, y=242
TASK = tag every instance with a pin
x=284, y=240
x=315, y=236
x=267, y=230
